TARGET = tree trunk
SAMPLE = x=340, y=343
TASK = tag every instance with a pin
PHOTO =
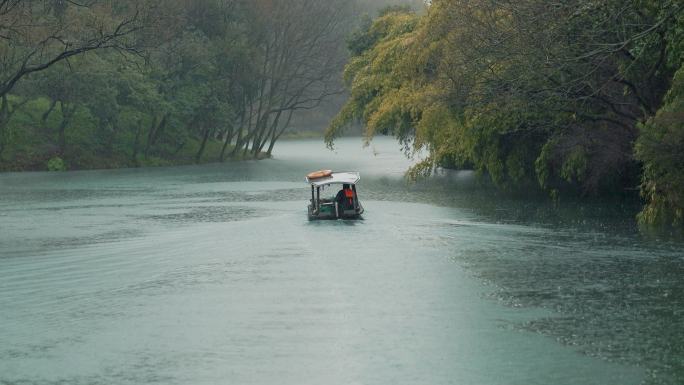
x=226, y=142
x=44, y=118
x=136, y=144
x=238, y=143
x=6, y=112
x=205, y=138
x=246, y=150
x=260, y=133
x=272, y=131
x=153, y=135
x=4, y=120
x=275, y=138
x=111, y=139
x=246, y=140
x=61, y=141
x=179, y=148
x=67, y=113
x=231, y=133
x=150, y=135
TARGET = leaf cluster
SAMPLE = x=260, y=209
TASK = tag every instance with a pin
x=526, y=92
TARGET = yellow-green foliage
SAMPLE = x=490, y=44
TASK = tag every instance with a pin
x=403, y=84
x=378, y=96
x=661, y=148
x=529, y=94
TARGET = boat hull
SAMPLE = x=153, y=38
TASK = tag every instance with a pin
x=334, y=212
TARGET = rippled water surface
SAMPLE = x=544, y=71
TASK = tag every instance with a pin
x=213, y=275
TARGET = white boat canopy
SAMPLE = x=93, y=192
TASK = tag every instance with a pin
x=336, y=178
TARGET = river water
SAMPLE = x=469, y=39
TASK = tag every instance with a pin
x=213, y=275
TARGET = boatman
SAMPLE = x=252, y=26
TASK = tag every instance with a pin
x=345, y=197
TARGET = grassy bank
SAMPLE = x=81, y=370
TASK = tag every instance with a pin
x=88, y=161
x=35, y=140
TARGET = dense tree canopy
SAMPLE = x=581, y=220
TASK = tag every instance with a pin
x=103, y=83
x=531, y=91
x=580, y=95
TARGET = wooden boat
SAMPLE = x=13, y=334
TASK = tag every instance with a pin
x=344, y=205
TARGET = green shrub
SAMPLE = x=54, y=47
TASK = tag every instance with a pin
x=661, y=148
x=56, y=164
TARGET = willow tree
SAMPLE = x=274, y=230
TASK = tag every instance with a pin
x=526, y=91
x=661, y=148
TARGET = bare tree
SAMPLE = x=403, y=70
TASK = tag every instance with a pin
x=300, y=60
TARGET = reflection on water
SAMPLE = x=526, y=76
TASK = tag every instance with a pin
x=213, y=274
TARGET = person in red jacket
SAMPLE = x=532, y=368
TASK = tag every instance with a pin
x=345, y=197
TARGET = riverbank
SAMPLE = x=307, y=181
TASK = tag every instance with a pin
x=38, y=136
x=82, y=160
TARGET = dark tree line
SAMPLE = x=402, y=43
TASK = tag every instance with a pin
x=102, y=83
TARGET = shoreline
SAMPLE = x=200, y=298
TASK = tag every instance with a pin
x=40, y=163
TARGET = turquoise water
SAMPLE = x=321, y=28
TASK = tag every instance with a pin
x=213, y=275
